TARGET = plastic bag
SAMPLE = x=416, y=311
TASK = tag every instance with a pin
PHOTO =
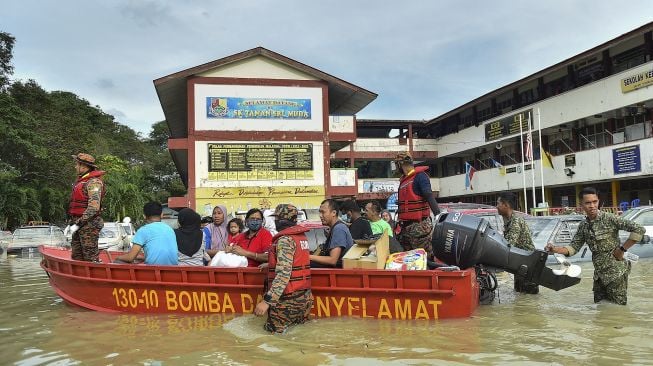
x=411, y=260
x=229, y=260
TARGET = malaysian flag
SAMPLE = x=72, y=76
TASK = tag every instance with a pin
x=529, y=147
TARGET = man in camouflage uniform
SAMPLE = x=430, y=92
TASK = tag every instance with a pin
x=85, y=208
x=289, y=299
x=600, y=231
x=415, y=205
x=518, y=234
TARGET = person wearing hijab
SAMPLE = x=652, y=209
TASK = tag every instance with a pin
x=216, y=234
x=190, y=245
x=253, y=243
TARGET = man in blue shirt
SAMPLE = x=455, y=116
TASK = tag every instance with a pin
x=157, y=239
x=338, y=241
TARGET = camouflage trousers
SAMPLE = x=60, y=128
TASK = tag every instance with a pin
x=293, y=308
x=417, y=235
x=84, y=243
x=615, y=291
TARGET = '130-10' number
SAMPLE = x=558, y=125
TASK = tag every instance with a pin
x=129, y=298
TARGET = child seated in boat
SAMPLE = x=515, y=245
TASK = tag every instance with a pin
x=235, y=226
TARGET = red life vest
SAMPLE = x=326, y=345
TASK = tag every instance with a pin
x=79, y=196
x=300, y=277
x=412, y=207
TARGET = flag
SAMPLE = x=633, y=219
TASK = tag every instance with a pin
x=502, y=169
x=546, y=158
x=469, y=174
x=529, y=147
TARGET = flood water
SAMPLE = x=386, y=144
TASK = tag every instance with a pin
x=559, y=328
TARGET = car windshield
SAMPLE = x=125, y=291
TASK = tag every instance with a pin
x=628, y=215
x=31, y=232
x=541, y=228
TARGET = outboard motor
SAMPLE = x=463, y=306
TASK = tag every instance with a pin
x=465, y=241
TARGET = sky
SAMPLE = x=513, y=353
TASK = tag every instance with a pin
x=422, y=58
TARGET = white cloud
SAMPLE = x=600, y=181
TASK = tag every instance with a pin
x=422, y=58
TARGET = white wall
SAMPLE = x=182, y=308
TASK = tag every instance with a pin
x=600, y=96
x=592, y=165
x=258, y=68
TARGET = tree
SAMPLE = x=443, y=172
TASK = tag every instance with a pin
x=6, y=54
x=125, y=193
x=41, y=129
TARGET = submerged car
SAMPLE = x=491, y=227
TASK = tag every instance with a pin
x=487, y=212
x=642, y=215
x=317, y=234
x=29, y=238
x=560, y=230
x=113, y=237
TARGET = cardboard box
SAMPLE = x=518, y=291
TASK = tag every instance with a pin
x=354, y=257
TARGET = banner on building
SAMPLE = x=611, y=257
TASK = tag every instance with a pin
x=626, y=160
x=244, y=198
x=506, y=126
x=637, y=81
x=260, y=161
x=258, y=108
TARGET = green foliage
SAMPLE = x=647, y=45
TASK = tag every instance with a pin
x=40, y=130
x=124, y=193
x=6, y=51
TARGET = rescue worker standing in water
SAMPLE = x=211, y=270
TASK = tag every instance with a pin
x=416, y=203
x=85, y=208
x=289, y=299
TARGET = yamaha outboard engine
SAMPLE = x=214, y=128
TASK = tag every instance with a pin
x=465, y=241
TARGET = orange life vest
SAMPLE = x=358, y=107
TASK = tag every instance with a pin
x=79, y=196
x=412, y=207
x=300, y=277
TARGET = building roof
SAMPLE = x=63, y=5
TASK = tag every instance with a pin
x=344, y=98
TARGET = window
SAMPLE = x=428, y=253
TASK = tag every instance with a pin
x=645, y=219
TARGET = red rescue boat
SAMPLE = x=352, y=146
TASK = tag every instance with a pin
x=365, y=293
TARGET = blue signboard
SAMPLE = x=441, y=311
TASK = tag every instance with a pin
x=392, y=202
x=258, y=108
x=626, y=160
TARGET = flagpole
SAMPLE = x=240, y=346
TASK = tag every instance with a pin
x=523, y=171
x=542, y=152
x=530, y=132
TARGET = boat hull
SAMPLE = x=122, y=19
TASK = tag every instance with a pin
x=138, y=288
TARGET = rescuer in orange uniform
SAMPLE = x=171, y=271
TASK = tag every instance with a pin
x=289, y=299
x=415, y=205
x=85, y=208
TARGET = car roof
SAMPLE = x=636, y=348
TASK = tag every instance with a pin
x=465, y=206
x=36, y=226
x=557, y=217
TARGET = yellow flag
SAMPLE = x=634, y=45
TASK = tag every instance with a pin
x=546, y=159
